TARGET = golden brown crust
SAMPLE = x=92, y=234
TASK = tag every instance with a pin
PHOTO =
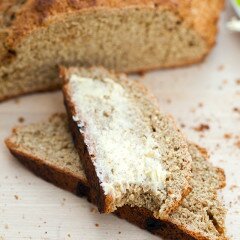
x=203, y=151
x=200, y=15
x=19, y=18
x=222, y=177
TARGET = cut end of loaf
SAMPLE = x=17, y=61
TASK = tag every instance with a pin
x=131, y=152
x=129, y=39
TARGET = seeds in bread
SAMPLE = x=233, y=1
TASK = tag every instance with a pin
x=47, y=149
x=113, y=120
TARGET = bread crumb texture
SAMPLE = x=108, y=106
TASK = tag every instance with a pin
x=129, y=36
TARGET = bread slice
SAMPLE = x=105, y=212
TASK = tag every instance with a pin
x=47, y=149
x=132, y=153
x=125, y=35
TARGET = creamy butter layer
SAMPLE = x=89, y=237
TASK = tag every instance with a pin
x=126, y=152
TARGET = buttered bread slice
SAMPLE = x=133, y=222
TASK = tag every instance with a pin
x=132, y=153
x=46, y=148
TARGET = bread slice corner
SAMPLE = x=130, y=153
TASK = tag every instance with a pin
x=46, y=149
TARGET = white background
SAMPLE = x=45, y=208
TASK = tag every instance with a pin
x=45, y=212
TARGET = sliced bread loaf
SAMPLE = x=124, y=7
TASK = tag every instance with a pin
x=132, y=153
x=125, y=35
x=47, y=149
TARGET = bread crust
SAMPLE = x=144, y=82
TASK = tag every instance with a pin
x=40, y=13
x=102, y=201
x=62, y=178
x=138, y=216
x=40, y=90
x=19, y=19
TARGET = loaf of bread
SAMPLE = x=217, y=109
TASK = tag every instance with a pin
x=47, y=149
x=125, y=35
x=132, y=153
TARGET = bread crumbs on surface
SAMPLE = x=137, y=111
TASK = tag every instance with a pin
x=237, y=144
x=202, y=127
x=21, y=119
x=69, y=235
x=200, y=104
x=225, y=81
x=119, y=232
x=182, y=125
x=16, y=197
x=232, y=187
x=238, y=81
x=93, y=210
x=202, y=135
x=192, y=110
x=221, y=67
x=96, y=224
x=217, y=146
x=236, y=109
x=227, y=135
x=17, y=100
x=6, y=226
x=222, y=161
x=169, y=101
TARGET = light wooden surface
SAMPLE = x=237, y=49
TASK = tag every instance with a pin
x=31, y=208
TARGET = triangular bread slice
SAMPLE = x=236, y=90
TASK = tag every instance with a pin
x=47, y=149
x=132, y=153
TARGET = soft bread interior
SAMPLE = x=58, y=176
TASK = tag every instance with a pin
x=127, y=40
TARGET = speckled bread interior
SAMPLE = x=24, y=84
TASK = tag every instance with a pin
x=128, y=36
